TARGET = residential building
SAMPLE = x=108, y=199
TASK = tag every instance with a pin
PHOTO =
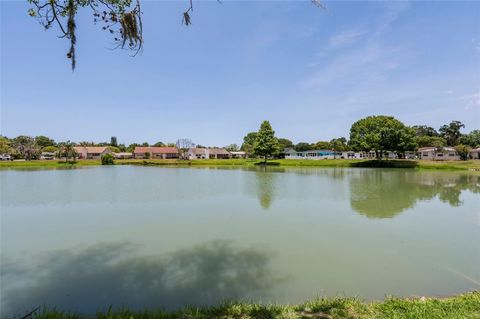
x=312, y=155
x=155, y=152
x=197, y=153
x=47, y=156
x=91, y=152
x=438, y=153
x=123, y=155
x=218, y=153
x=239, y=154
x=475, y=153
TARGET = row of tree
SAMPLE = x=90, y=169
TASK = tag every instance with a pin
x=377, y=133
x=373, y=133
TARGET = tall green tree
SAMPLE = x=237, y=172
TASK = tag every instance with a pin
x=248, y=142
x=66, y=150
x=113, y=141
x=424, y=130
x=5, y=146
x=381, y=133
x=43, y=141
x=451, y=132
x=471, y=139
x=232, y=148
x=266, y=144
x=338, y=145
x=321, y=145
x=303, y=146
x=285, y=143
x=424, y=141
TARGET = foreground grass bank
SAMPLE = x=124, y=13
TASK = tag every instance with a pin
x=462, y=306
x=473, y=165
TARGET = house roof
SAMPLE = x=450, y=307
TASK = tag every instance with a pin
x=432, y=148
x=238, y=153
x=218, y=151
x=155, y=150
x=90, y=149
x=197, y=151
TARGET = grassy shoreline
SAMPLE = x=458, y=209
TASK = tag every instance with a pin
x=472, y=165
x=465, y=305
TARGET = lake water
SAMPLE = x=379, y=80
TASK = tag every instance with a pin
x=149, y=237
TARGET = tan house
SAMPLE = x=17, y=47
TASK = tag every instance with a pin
x=155, y=152
x=91, y=152
x=123, y=155
x=218, y=153
x=475, y=153
x=438, y=154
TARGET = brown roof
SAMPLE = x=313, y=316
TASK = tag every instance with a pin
x=90, y=149
x=155, y=150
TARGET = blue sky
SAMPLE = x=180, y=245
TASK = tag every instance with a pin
x=310, y=72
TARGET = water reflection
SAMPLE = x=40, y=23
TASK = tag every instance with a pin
x=266, y=182
x=387, y=193
x=110, y=274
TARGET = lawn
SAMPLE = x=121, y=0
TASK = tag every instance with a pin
x=459, y=307
x=473, y=165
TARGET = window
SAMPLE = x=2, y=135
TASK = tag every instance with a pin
x=424, y=154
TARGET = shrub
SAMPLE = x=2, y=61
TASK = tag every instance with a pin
x=463, y=151
x=108, y=159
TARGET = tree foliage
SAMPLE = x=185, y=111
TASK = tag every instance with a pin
x=463, y=151
x=381, y=133
x=26, y=147
x=248, y=142
x=451, y=132
x=303, y=146
x=5, y=146
x=285, y=143
x=471, y=139
x=108, y=159
x=266, y=144
x=113, y=141
x=66, y=150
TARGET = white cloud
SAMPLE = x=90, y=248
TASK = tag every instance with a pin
x=345, y=38
x=472, y=99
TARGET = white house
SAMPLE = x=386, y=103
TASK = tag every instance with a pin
x=206, y=153
x=438, y=154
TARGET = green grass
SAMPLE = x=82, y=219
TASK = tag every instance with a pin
x=459, y=307
x=48, y=163
x=473, y=165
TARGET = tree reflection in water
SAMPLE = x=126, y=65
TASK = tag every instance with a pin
x=110, y=274
x=386, y=193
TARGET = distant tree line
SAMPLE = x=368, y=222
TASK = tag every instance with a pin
x=373, y=133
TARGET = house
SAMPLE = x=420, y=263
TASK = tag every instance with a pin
x=91, y=152
x=239, y=154
x=438, y=153
x=197, y=153
x=475, y=153
x=47, y=156
x=218, y=153
x=312, y=155
x=123, y=155
x=155, y=152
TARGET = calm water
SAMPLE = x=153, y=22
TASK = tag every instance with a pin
x=142, y=237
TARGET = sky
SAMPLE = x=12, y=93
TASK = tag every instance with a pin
x=310, y=72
